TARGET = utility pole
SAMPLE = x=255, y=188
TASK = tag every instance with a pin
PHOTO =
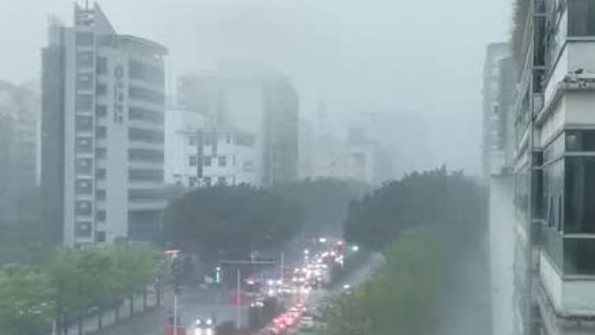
x=238, y=287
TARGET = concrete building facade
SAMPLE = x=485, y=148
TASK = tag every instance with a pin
x=103, y=132
x=553, y=44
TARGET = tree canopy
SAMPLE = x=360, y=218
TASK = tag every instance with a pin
x=434, y=198
x=233, y=220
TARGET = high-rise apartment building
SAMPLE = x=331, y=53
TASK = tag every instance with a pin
x=257, y=102
x=19, y=138
x=102, y=132
x=554, y=47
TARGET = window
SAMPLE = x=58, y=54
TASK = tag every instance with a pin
x=101, y=215
x=145, y=135
x=101, y=111
x=100, y=132
x=193, y=160
x=84, y=59
x=84, y=144
x=100, y=195
x=145, y=195
x=578, y=256
x=101, y=89
x=84, y=39
x=83, y=186
x=581, y=18
x=207, y=181
x=101, y=153
x=146, y=72
x=207, y=161
x=144, y=94
x=222, y=160
x=244, y=140
x=83, y=166
x=83, y=207
x=147, y=115
x=84, y=123
x=146, y=175
x=83, y=229
x=221, y=181
x=101, y=174
x=146, y=155
x=580, y=195
x=580, y=140
x=101, y=65
x=193, y=140
x=84, y=102
x=84, y=81
x=100, y=237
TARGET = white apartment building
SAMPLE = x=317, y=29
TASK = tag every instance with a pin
x=103, y=136
x=198, y=155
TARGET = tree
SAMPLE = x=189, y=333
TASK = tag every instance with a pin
x=231, y=220
x=25, y=301
x=434, y=198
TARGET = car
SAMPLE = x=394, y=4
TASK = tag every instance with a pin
x=204, y=323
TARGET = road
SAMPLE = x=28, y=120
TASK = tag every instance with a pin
x=195, y=303
x=192, y=304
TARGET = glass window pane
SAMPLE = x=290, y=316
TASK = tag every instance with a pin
x=578, y=256
x=580, y=195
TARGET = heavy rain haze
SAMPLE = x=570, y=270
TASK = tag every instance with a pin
x=414, y=62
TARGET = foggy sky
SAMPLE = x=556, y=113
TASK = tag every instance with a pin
x=419, y=60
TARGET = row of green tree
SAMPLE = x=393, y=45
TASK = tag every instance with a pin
x=72, y=284
x=431, y=229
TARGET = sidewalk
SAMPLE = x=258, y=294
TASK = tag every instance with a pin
x=91, y=323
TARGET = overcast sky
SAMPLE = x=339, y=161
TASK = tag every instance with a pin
x=418, y=61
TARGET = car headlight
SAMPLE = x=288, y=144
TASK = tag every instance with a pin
x=209, y=322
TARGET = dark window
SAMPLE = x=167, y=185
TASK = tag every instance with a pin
x=145, y=155
x=207, y=161
x=581, y=18
x=221, y=181
x=83, y=186
x=142, y=195
x=580, y=195
x=101, y=89
x=101, y=215
x=83, y=207
x=142, y=114
x=101, y=65
x=83, y=229
x=100, y=153
x=84, y=145
x=101, y=173
x=207, y=181
x=84, y=123
x=100, y=237
x=222, y=161
x=101, y=111
x=84, y=39
x=578, y=256
x=100, y=132
x=193, y=160
x=146, y=175
x=84, y=166
x=580, y=140
x=100, y=194
x=146, y=72
x=84, y=59
x=143, y=94
x=145, y=135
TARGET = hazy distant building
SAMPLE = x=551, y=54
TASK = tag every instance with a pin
x=258, y=102
x=19, y=138
x=494, y=114
x=201, y=156
x=103, y=137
